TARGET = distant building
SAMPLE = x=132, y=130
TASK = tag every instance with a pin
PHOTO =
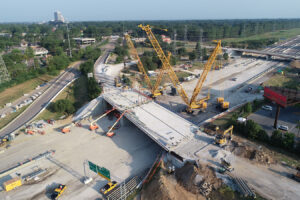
x=166, y=39
x=39, y=51
x=58, y=17
x=5, y=35
x=139, y=40
x=84, y=40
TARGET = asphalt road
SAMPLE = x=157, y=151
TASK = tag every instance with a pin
x=42, y=101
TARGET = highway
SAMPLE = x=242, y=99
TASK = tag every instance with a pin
x=42, y=101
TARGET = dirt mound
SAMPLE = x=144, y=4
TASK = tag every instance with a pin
x=165, y=187
x=195, y=180
x=256, y=154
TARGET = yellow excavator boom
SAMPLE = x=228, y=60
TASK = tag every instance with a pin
x=165, y=63
x=204, y=74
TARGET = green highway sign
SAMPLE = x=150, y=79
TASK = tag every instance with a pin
x=102, y=171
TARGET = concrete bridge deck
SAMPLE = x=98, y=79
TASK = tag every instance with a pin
x=169, y=130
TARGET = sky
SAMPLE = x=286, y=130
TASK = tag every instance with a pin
x=107, y=10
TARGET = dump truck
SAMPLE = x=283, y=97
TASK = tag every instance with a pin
x=58, y=191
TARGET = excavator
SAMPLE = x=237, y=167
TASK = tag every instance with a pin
x=191, y=103
x=93, y=125
x=221, y=138
x=58, y=191
x=155, y=90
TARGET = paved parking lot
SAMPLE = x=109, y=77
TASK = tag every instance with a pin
x=288, y=117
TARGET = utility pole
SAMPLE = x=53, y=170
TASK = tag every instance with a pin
x=185, y=35
x=174, y=43
x=4, y=75
x=70, y=50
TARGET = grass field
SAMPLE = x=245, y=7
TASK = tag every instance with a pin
x=15, y=92
x=283, y=81
x=281, y=35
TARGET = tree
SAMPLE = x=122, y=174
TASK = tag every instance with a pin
x=225, y=56
x=252, y=129
x=198, y=50
x=288, y=141
x=204, y=54
x=192, y=55
x=182, y=51
x=248, y=108
x=276, y=138
x=62, y=106
x=29, y=53
x=87, y=67
x=93, y=88
x=263, y=136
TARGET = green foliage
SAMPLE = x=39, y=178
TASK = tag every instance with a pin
x=93, y=88
x=58, y=62
x=288, y=141
x=182, y=51
x=225, y=56
x=192, y=55
x=276, y=138
x=248, y=108
x=87, y=67
x=62, y=106
x=263, y=136
x=126, y=80
x=253, y=129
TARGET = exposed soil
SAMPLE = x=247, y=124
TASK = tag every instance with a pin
x=189, y=182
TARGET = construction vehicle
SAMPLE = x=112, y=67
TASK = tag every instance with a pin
x=191, y=103
x=66, y=129
x=155, y=90
x=30, y=131
x=108, y=187
x=225, y=164
x=296, y=176
x=221, y=138
x=110, y=133
x=93, y=125
x=58, y=191
x=221, y=104
x=4, y=142
x=118, y=82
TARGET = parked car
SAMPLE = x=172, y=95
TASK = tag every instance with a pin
x=234, y=79
x=283, y=127
x=267, y=108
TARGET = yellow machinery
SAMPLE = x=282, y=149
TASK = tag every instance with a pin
x=192, y=103
x=224, y=105
x=110, y=133
x=118, y=82
x=108, y=187
x=221, y=139
x=155, y=90
x=58, y=191
x=12, y=184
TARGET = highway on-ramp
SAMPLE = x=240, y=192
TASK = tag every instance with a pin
x=42, y=101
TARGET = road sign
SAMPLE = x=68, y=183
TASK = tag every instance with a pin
x=102, y=171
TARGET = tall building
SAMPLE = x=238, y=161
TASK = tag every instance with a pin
x=58, y=17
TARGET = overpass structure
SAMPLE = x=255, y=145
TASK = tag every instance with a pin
x=266, y=53
x=172, y=132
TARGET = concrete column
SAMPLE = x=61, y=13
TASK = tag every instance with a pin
x=277, y=115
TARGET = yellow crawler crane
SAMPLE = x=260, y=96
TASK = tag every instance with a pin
x=155, y=91
x=192, y=103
